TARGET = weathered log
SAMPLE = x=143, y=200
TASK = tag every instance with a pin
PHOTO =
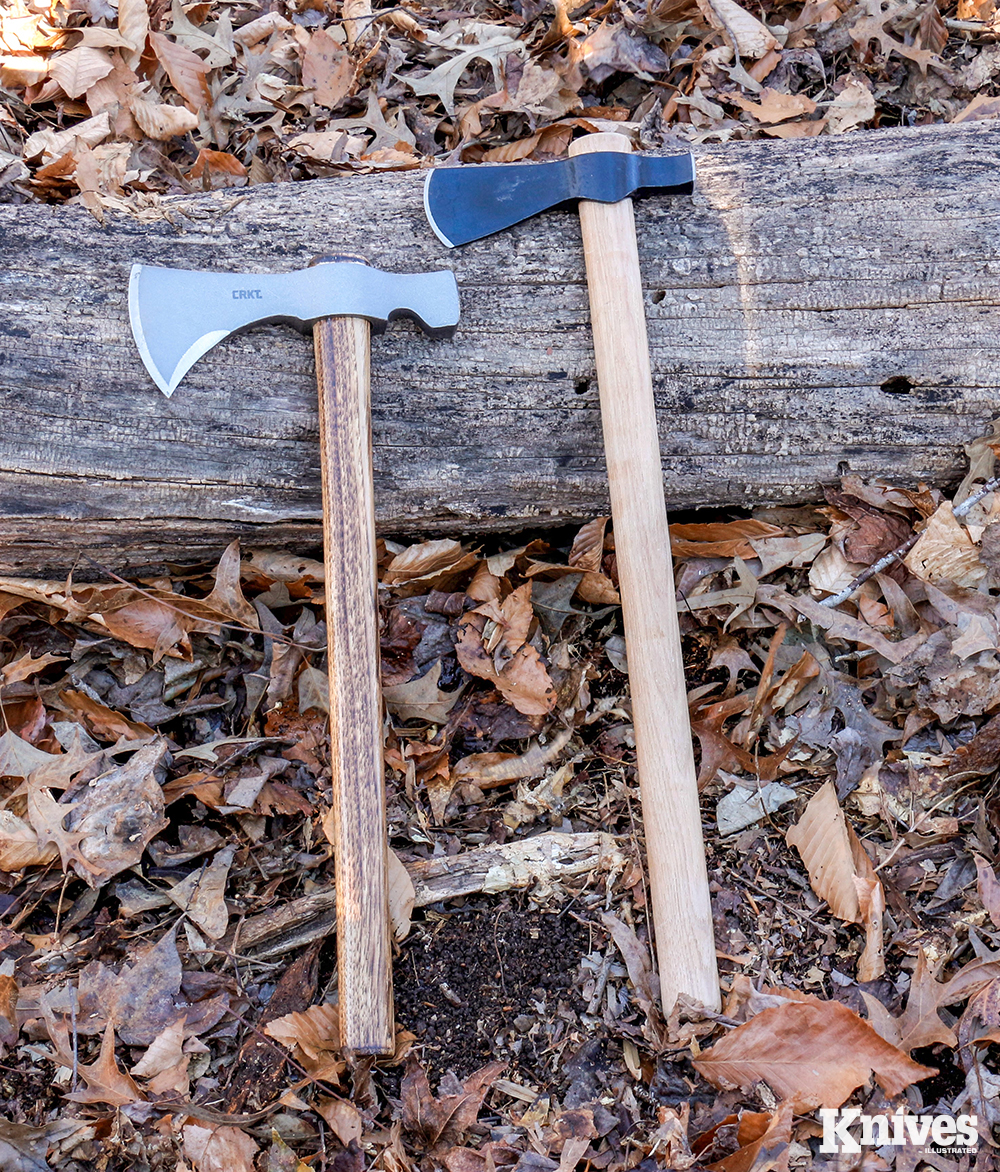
x=816, y=305
x=543, y=861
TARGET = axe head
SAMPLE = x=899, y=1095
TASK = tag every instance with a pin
x=467, y=203
x=177, y=315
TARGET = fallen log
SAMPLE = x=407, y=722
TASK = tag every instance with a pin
x=817, y=305
x=541, y=862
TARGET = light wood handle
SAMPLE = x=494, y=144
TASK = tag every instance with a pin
x=678, y=879
x=360, y=859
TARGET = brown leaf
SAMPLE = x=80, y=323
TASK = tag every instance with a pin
x=19, y=758
x=165, y=1064
x=812, y=1053
x=133, y=24
x=78, y=69
x=202, y=895
x=421, y=699
x=141, y=1000
x=723, y=539
x=218, y=1149
x=19, y=845
x=343, y=1117
x=215, y=170
x=160, y=121
x=327, y=69
x=448, y=1117
x=314, y=1034
x=186, y=70
x=105, y=1082
x=149, y=623
x=989, y=889
x=116, y=815
x=524, y=680
x=101, y=721
x=945, y=552
x=920, y=1024
x=775, y=107
x=743, y=32
x=761, y=1148
x=841, y=872
x=227, y=593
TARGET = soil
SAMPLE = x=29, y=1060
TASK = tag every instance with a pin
x=475, y=986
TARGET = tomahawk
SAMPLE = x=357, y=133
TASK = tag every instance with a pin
x=177, y=315
x=466, y=203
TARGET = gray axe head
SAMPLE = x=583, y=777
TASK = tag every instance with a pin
x=178, y=315
x=467, y=203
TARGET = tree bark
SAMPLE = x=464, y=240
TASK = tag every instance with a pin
x=818, y=305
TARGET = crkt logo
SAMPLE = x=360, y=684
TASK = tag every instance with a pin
x=877, y=1131
x=247, y=295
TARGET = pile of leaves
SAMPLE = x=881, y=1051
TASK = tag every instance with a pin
x=168, y=992
x=115, y=105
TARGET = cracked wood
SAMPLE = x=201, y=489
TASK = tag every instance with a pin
x=799, y=280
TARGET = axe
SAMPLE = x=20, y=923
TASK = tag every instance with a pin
x=177, y=315
x=467, y=203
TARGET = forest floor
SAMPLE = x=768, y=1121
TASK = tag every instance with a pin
x=167, y=978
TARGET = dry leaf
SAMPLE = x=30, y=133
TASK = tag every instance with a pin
x=421, y=699
x=743, y=32
x=854, y=105
x=401, y=897
x=133, y=24
x=775, y=107
x=327, y=69
x=218, y=1149
x=812, y=1053
x=114, y=816
x=343, y=1117
x=78, y=69
x=920, y=1023
x=19, y=846
x=105, y=1082
x=945, y=552
x=720, y=539
x=202, y=895
x=447, y=1118
x=989, y=889
x=161, y=121
x=841, y=872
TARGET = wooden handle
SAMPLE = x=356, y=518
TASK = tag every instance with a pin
x=363, y=950
x=678, y=879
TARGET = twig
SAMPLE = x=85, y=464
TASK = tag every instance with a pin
x=902, y=550
x=870, y=571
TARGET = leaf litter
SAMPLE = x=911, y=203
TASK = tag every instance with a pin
x=167, y=955
x=113, y=106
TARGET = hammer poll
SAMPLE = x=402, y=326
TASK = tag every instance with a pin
x=466, y=203
x=177, y=315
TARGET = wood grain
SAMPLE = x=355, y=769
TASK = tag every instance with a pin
x=364, y=973
x=671, y=818
x=797, y=280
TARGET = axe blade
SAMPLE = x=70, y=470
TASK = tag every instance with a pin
x=178, y=315
x=469, y=202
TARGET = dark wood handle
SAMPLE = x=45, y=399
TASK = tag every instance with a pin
x=363, y=949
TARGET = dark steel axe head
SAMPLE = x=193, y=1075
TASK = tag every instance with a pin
x=178, y=315
x=467, y=203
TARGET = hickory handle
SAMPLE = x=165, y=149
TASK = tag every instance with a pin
x=678, y=877
x=364, y=963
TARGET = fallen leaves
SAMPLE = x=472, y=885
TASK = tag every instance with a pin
x=812, y=1054
x=841, y=873
x=447, y=1117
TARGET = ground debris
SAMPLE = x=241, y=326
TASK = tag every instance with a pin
x=113, y=109
x=167, y=967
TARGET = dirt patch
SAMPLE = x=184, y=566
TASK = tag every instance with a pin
x=489, y=984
